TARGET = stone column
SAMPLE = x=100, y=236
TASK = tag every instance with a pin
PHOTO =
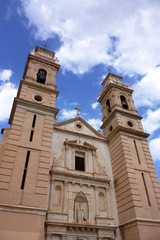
x=66, y=156
x=94, y=161
x=116, y=101
x=70, y=201
x=65, y=197
x=96, y=201
x=63, y=237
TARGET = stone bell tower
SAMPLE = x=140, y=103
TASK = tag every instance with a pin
x=136, y=183
x=26, y=149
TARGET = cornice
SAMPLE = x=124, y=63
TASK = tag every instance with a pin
x=32, y=105
x=122, y=112
x=85, y=226
x=80, y=178
x=127, y=131
x=113, y=85
x=37, y=86
x=146, y=220
x=44, y=60
x=111, y=75
x=22, y=209
x=102, y=138
x=83, y=121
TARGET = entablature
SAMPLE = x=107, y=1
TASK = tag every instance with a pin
x=102, y=180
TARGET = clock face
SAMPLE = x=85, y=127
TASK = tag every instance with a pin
x=45, y=54
x=116, y=80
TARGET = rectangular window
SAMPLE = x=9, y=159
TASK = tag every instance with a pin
x=79, y=161
x=137, y=152
x=34, y=121
x=145, y=186
x=31, y=136
x=25, y=170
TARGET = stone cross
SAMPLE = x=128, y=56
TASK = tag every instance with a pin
x=78, y=109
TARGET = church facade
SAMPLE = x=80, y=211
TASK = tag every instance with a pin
x=66, y=181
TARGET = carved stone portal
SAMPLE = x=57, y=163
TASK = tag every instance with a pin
x=81, y=212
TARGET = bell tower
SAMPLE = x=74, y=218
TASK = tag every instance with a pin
x=136, y=183
x=26, y=150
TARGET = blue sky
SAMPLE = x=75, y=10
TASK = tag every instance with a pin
x=89, y=37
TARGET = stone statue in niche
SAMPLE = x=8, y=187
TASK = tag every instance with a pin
x=81, y=212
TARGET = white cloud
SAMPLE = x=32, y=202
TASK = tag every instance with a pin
x=124, y=34
x=7, y=92
x=95, y=105
x=5, y=74
x=95, y=123
x=67, y=114
x=147, y=90
x=73, y=104
x=154, y=146
x=151, y=121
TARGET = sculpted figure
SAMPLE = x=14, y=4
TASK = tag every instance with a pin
x=81, y=215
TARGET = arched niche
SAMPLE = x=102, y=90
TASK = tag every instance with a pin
x=81, y=210
x=41, y=76
x=124, y=102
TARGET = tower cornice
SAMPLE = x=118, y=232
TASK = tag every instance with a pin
x=122, y=112
x=127, y=131
x=34, y=106
x=119, y=86
x=35, y=86
x=45, y=60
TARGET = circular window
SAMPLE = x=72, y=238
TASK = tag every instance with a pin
x=38, y=98
x=110, y=128
x=79, y=126
x=130, y=124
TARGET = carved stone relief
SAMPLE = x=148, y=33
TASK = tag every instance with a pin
x=58, y=195
x=102, y=202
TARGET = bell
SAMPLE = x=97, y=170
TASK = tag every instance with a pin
x=41, y=76
x=124, y=105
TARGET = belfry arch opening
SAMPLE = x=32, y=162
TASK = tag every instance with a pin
x=124, y=102
x=41, y=76
x=108, y=106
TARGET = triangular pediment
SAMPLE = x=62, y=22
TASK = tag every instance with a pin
x=78, y=125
